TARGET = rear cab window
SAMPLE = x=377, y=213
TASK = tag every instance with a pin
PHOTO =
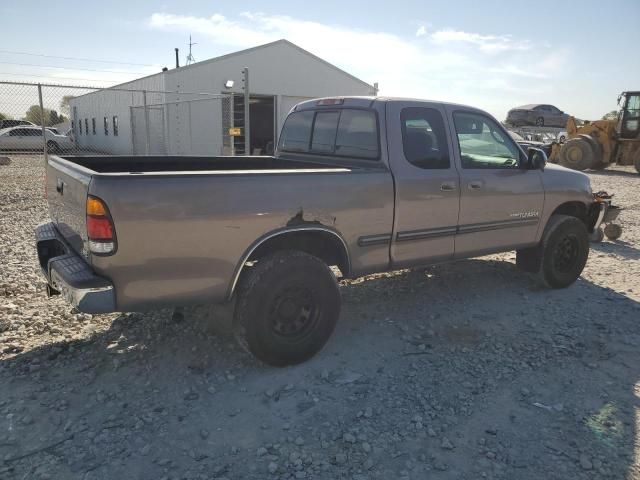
x=344, y=132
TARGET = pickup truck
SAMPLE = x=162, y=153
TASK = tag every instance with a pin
x=357, y=185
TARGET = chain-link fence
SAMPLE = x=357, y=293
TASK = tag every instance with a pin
x=119, y=121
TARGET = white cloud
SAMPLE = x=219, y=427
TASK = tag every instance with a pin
x=486, y=43
x=488, y=71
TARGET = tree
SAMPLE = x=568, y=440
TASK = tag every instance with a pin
x=51, y=117
x=64, y=105
x=612, y=115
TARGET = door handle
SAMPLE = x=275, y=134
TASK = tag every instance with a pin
x=475, y=185
x=448, y=186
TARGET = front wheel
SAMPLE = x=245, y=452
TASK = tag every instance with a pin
x=563, y=251
x=561, y=255
x=287, y=308
x=540, y=122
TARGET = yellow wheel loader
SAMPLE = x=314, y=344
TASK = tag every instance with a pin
x=603, y=142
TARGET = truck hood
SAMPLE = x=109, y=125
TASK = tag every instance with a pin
x=557, y=178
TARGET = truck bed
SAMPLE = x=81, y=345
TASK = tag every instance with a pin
x=182, y=224
x=156, y=164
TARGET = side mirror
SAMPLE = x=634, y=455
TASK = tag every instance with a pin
x=536, y=158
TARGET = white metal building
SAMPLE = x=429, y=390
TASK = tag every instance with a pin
x=208, y=100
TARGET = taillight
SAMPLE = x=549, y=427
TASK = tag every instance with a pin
x=100, y=229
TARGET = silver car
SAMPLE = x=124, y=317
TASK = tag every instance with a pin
x=537, y=114
x=27, y=137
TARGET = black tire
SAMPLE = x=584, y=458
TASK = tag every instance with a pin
x=596, y=147
x=540, y=122
x=52, y=147
x=577, y=154
x=563, y=251
x=288, y=305
x=613, y=231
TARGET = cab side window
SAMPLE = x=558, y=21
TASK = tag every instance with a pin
x=424, y=140
x=483, y=144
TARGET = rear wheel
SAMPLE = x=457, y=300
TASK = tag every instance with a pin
x=540, y=122
x=287, y=308
x=577, y=154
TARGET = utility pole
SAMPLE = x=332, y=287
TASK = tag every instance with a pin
x=190, y=57
x=247, y=122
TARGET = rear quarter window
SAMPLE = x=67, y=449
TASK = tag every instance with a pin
x=296, y=133
x=345, y=132
x=357, y=134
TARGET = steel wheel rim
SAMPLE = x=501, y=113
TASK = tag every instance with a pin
x=565, y=254
x=294, y=312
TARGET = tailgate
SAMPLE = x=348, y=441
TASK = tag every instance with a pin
x=67, y=188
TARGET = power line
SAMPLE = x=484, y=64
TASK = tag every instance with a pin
x=55, y=78
x=74, y=68
x=77, y=58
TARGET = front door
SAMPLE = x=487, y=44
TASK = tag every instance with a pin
x=426, y=181
x=500, y=201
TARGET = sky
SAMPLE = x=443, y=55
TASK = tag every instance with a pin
x=491, y=54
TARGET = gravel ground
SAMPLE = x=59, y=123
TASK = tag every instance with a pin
x=459, y=371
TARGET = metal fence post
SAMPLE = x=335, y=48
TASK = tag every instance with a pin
x=247, y=120
x=147, y=134
x=132, y=122
x=44, y=138
x=232, y=140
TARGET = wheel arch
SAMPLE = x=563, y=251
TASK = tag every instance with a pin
x=322, y=242
x=575, y=208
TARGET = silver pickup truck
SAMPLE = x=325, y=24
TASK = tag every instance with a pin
x=359, y=184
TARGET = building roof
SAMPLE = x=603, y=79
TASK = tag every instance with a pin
x=241, y=52
x=282, y=41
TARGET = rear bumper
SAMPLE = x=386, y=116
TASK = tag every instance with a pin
x=69, y=275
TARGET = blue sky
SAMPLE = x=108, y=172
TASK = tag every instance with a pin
x=490, y=54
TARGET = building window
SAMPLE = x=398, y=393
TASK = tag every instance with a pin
x=93, y=125
x=86, y=126
x=73, y=127
x=106, y=125
x=115, y=125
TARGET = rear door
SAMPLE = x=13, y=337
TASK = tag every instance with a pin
x=500, y=202
x=426, y=183
x=17, y=139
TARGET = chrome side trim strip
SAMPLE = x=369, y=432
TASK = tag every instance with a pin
x=426, y=233
x=371, y=240
x=483, y=227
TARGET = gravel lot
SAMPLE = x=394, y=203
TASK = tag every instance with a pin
x=459, y=371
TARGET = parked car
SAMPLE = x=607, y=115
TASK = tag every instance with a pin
x=30, y=138
x=9, y=122
x=362, y=184
x=526, y=144
x=537, y=114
